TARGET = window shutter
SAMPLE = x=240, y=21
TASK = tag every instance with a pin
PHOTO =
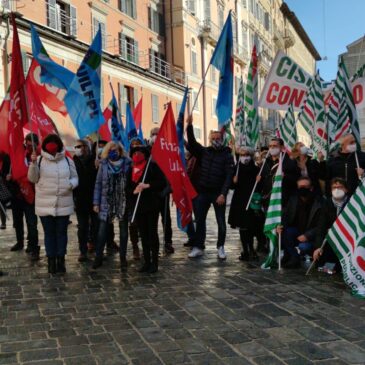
x=123, y=46
x=161, y=25
x=134, y=9
x=51, y=7
x=136, y=53
x=135, y=97
x=206, y=9
x=149, y=17
x=73, y=21
x=103, y=35
x=123, y=6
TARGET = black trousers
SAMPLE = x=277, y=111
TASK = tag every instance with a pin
x=164, y=210
x=87, y=228
x=20, y=209
x=147, y=227
x=2, y=215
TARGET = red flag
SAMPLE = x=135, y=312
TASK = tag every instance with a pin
x=166, y=153
x=4, y=124
x=137, y=114
x=18, y=110
x=49, y=95
x=104, y=130
x=40, y=123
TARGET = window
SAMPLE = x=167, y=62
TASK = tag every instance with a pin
x=244, y=36
x=193, y=98
x=61, y=17
x=267, y=22
x=253, y=6
x=206, y=9
x=126, y=95
x=220, y=16
x=194, y=65
x=244, y=3
x=156, y=21
x=155, y=109
x=212, y=71
x=191, y=5
x=158, y=63
x=128, y=48
x=7, y=4
x=197, y=132
x=128, y=7
x=96, y=23
x=26, y=60
x=214, y=105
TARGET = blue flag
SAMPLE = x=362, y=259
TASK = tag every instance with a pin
x=180, y=138
x=51, y=72
x=117, y=129
x=222, y=59
x=130, y=126
x=140, y=134
x=83, y=96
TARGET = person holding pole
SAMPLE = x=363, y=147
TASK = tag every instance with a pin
x=348, y=163
x=215, y=179
x=146, y=181
x=110, y=200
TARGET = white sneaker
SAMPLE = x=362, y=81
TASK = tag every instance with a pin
x=196, y=252
x=221, y=254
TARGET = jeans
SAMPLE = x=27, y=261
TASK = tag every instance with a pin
x=55, y=235
x=102, y=237
x=164, y=209
x=133, y=233
x=290, y=243
x=87, y=224
x=202, y=203
x=21, y=208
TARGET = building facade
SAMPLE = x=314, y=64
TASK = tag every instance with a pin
x=153, y=48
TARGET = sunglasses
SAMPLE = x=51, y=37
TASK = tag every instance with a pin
x=79, y=146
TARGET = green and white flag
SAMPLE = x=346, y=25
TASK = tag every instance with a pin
x=273, y=219
x=239, y=126
x=251, y=102
x=288, y=129
x=347, y=238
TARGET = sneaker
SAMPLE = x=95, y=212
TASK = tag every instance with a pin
x=17, y=247
x=196, y=252
x=221, y=254
x=82, y=257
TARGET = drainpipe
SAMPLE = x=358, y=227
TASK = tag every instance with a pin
x=204, y=93
x=171, y=34
x=5, y=56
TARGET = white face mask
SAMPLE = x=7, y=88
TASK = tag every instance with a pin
x=245, y=159
x=78, y=152
x=338, y=193
x=274, y=151
x=100, y=150
x=351, y=148
x=304, y=150
x=153, y=139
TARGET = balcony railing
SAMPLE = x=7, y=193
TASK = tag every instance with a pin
x=8, y=4
x=129, y=52
x=210, y=30
x=240, y=52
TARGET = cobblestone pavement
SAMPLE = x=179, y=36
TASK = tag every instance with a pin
x=191, y=312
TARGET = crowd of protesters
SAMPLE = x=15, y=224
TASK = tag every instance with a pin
x=104, y=185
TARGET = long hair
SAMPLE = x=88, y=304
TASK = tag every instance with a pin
x=107, y=148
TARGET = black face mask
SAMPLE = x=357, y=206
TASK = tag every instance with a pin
x=304, y=192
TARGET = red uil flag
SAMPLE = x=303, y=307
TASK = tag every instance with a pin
x=165, y=152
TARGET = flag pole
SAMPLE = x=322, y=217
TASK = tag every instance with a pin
x=314, y=261
x=4, y=211
x=357, y=164
x=200, y=89
x=279, y=253
x=238, y=168
x=139, y=194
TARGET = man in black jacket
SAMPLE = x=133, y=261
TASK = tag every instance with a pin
x=348, y=164
x=215, y=178
x=300, y=221
x=87, y=219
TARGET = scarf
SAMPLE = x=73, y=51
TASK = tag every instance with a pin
x=116, y=197
x=138, y=170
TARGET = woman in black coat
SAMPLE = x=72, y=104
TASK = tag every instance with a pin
x=250, y=222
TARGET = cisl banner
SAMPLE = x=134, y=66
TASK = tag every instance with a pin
x=286, y=84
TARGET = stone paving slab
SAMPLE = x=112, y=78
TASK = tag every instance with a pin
x=191, y=312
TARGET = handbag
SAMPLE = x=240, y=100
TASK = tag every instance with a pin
x=5, y=194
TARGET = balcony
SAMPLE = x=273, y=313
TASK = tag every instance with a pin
x=278, y=37
x=264, y=61
x=289, y=39
x=210, y=31
x=240, y=54
x=8, y=4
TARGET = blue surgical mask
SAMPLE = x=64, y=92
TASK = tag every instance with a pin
x=113, y=155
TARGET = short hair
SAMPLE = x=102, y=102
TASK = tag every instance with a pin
x=305, y=178
x=154, y=130
x=342, y=139
x=246, y=149
x=32, y=137
x=277, y=139
x=215, y=131
x=339, y=180
x=108, y=146
x=55, y=139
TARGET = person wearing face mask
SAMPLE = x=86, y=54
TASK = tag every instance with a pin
x=308, y=166
x=250, y=222
x=22, y=204
x=300, y=223
x=54, y=176
x=110, y=200
x=332, y=207
x=344, y=164
x=291, y=172
x=87, y=219
x=214, y=180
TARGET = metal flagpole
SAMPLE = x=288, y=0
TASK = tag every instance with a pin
x=200, y=89
x=139, y=194
x=4, y=210
x=314, y=261
x=279, y=253
x=357, y=164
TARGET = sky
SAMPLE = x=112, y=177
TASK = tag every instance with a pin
x=331, y=26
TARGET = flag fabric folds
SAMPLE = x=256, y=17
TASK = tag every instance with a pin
x=105, y=129
x=287, y=128
x=83, y=96
x=166, y=154
x=239, y=126
x=273, y=219
x=137, y=116
x=51, y=73
x=4, y=124
x=117, y=128
x=251, y=102
x=347, y=239
x=130, y=127
x=222, y=59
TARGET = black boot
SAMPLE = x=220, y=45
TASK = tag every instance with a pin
x=154, y=263
x=147, y=259
x=52, y=268
x=34, y=256
x=123, y=264
x=17, y=247
x=97, y=262
x=61, y=264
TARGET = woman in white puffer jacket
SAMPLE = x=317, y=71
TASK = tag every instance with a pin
x=54, y=176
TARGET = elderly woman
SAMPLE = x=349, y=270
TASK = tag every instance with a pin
x=110, y=200
x=250, y=222
x=54, y=176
